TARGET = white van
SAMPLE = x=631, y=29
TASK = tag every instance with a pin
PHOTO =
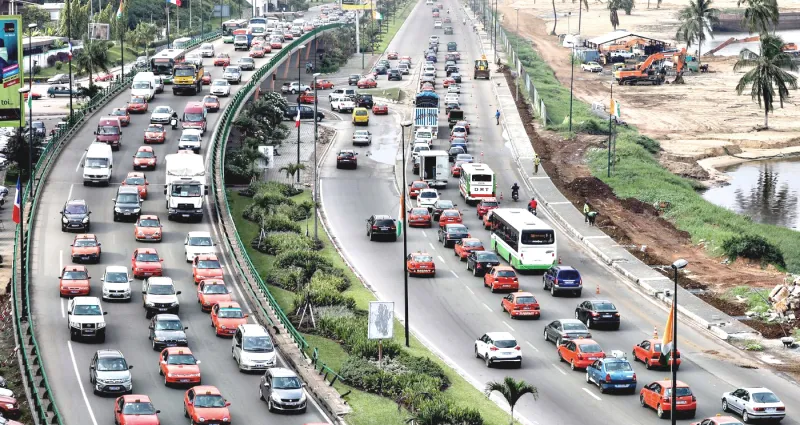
x=299, y=22
x=253, y=348
x=144, y=85
x=98, y=164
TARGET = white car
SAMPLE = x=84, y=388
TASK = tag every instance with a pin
x=418, y=147
x=159, y=84
x=754, y=404
x=623, y=54
x=451, y=98
x=294, y=88
x=454, y=88
x=252, y=348
x=341, y=103
x=198, y=243
x=116, y=283
x=437, y=24
x=427, y=198
x=429, y=69
x=362, y=137
x=159, y=296
x=191, y=139
x=404, y=68
x=459, y=131
x=434, y=39
x=220, y=88
x=498, y=347
x=207, y=50
x=85, y=318
x=591, y=67
x=161, y=115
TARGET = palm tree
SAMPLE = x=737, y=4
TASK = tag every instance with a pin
x=511, y=390
x=92, y=57
x=768, y=71
x=613, y=7
x=580, y=8
x=292, y=169
x=697, y=19
x=555, y=19
x=760, y=15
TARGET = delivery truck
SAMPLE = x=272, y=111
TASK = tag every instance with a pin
x=185, y=187
x=434, y=167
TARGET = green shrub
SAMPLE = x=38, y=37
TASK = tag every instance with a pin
x=447, y=411
x=59, y=65
x=325, y=290
x=291, y=279
x=277, y=187
x=295, y=212
x=271, y=200
x=254, y=213
x=590, y=126
x=650, y=145
x=352, y=332
x=389, y=381
x=309, y=261
x=277, y=242
x=753, y=247
x=280, y=223
x=424, y=366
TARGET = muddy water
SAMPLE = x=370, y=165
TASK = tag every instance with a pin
x=766, y=191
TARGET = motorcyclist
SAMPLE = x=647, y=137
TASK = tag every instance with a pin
x=309, y=67
x=532, y=206
x=515, y=191
x=173, y=120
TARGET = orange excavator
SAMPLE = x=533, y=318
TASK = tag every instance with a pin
x=653, y=70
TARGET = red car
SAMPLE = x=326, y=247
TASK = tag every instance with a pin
x=463, y=247
x=74, y=281
x=206, y=78
x=145, y=262
x=226, y=317
x=179, y=366
x=137, y=104
x=155, y=133
x=447, y=81
x=135, y=409
x=420, y=263
x=275, y=44
x=206, y=266
x=406, y=58
x=222, y=59
x=415, y=187
x=145, y=159
x=35, y=96
x=649, y=353
x=501, y=278
x=450, y=217
x=656, y=396
x=205, y=404
x=211, y=103
x=211, y=292
x=521, y=304
x=136, y=178
x=391, y=55
x=367, y=83
x=258, y=52
x=148, y=228
x=122, y=114
x=107, y=77
x=580, y=353
x=323, y=85
x=419, y=217
x=427, y=87
x=9, y=407
x=435, y=14
x=380, y=109
x=306, y=98
x=455, y=170
x=288, y=36
x=486, y=205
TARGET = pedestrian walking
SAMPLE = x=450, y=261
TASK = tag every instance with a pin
x=536, y=162
x=586, y=211
x=591, y=216
x=497, y=116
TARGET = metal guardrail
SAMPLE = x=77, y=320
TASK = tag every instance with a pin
x=218, y=145
x=43, y=405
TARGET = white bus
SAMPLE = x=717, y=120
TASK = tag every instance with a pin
x=162, y=63
x=476, y=182
x=526, y=242
x=258, y=29
x=181, y=43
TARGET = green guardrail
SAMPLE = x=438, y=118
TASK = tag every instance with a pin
x=218, y=146
x=30, y=353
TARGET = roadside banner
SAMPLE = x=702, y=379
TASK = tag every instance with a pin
x=668, y=341
x=12, y=111
x=357, y=4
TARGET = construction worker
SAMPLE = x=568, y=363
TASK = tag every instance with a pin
x=497, y=116
x=591, y=216
x=536, y=162
x=586, y=211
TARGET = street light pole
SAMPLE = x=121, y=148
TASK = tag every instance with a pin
x=494, y=30
x=677, y=265
x=516, y=47
x=299, y=50
x=571, y=78
x=31, y=27
x=24, y=317
x=403, y=126
x=316, y=164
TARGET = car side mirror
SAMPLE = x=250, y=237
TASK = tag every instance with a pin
x=165, y=362
x=105, y=313
x=147, y=183
x=185, y=328
x=151, y=327
x=198, y=362
x=119, y=410
x=161, y=260
x=95, y=132
x=227, y=403
x=177, y=293
x=303, y=385
x=113, y=199
x=158, y=411
x=91, y=367
x=130, y=367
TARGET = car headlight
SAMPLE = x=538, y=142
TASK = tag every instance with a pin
x=149, y=304
x=201, y=419
x=275, y=397
x=158, y=339
x=223, y=326
x=136, y=210
x=101, y=325
x=140, y=233
x=74, y=325
x=64, y=219
x=170, y=375
x=116, y=209
x=174, y=303
x=303, y=397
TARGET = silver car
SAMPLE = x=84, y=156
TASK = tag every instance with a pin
x=232, y=74
x=109, y=373
x=754, y=404
x=247, y=63
x=282, y=390
x=166, y=330
x=559, y=331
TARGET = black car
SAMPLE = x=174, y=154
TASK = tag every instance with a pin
x=39, y=129
x=380, y=70
x=365, y=101
x=598, y=312
x=353, y=79
x=166, y=330
x=347, y=158
x=441, y=205
x=306, y=113
x=559, y=279
x=450, y=233
x=450, y=70
x=381, y=225
x=564, y=329
x=454, y=152
x=481, y=262
x=456, y=76
x=75, y=216
x=394, y=74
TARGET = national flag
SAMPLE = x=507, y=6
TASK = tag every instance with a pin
x=401, y=217
x=615, y=110
x=16, y=215
x=30, y=102
x=175, y=2
x=377, y=15
x=70, y=49
x=119, y=11
x=668, y=341
x=297, y=118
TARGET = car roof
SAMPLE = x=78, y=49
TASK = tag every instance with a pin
x=135, y=174
x=506, y=268
x=160, y=280
x=76, y=202
x=167, y=317
x=383, y=217
x=668, y=383
x=116, y=269
x=179, y=350
x=571, y=321
x=148, y=217
x=135, y=398
x=282, y=372
x=127, y=189
x=560, y=268
x=492, y=199
x=500, y=335
x=199, y=234
x=109, y=352
x=75, y=268
x=192, y=131
x=757, y=389
x=523, y=294
x=253, y=329
x=86, y=236
x=86, y=300
x=229, y=304
x=207, y=257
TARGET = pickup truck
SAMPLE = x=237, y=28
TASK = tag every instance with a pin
x=65, y=91
x=342, y=103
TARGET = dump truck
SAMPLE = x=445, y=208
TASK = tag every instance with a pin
x=187, y=77
x=185, y=186
x=481, y=68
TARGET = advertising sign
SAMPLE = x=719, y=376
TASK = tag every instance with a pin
x=381, y=320
x=357, y=4
x=11, y=109
x=99, y=31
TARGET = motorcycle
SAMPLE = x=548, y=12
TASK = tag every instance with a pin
x=532, y=210
x=515, y=196
x=174, y=123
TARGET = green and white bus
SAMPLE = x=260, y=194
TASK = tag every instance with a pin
x=164, y=61
x=525, y=241
x=181, y=43
x=476, y=182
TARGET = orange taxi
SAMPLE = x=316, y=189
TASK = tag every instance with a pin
x=420, y=263
x=288, y=36
x=137, y=104
x=148, y=228
x=719, y=420
x=137, y=178
x=447, y=81
x=656, y=395
x=135, y=409
x=486, y=205
x=155, y=133
x=380, y=109
x=419, y=217
x=258, y=52
x=74, y=281
x=145, y=159
x=649, y=353
x=123, y=115
x=580, y=353
x=323, y=85
x=226, y=317
x=463, y=247
x=105, y=77
x=455, y=170
x=205, y=404
x=367, y=83
x=415, y=187
x=450, y=217
x=206, y=266
x=392, y=55
x=146, y=262
x=501, y=278
x=179, y=366
x=206, y=78
x=222, y=59
x=521, y=304
x=211, y=103
x=85, y=248
x=306, y=98
x=487, y=220
x=211, y=292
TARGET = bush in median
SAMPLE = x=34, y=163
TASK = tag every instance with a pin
x=388, y=380
x=280, y=223
x=309, y=261
x=324, y=290
x=291, y=279
x=277, y=242
x=352, y=332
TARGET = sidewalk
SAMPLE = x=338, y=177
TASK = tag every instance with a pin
x=598, y=243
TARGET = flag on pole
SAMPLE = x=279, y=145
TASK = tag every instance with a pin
x=668, y=341
x=297, y=118
x=70, y=49
x=175, y=2
x=614, y=109
x=402, y=215
x=377, y=15
x=119, y=11
x=16, y=215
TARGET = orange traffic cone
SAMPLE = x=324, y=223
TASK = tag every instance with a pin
x=597, y=290
x=655, y=332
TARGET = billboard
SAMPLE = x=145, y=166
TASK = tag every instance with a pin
x=12, y=113
x=357, y=4
x=98, y=31
x=381, y=320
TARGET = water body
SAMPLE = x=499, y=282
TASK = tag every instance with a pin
x=766, y=191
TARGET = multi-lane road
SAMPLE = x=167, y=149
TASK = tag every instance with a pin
x=67, y=363
x=448, y=312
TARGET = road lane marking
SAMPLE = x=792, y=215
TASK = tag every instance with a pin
x=509, y=326
x=432, y=247
x=469, y=289
x=80, y=162
x=441, y=259
x=454, y=273
x=532, y=346
x=487, y=307
x=592, y=394
x=69, y=195
x=80, y=383
x=559, y=369
x=424, y=235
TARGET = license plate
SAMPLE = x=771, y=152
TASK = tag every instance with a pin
x=592, y=358
x=620, y=385
x=680, y=402
x=73, y=292
x=114, y=388
x=770, y=410
x=148, y=237
x=184, y=380
x=526, y=308
x=85, y=257
x=164, y=309
x=95, y=181
x=185, y=215
x=506, y=286
x=88, y=332
x=384, y=228
x=606, y=315
x=171, y=345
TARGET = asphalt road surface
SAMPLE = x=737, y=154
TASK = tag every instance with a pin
x=67, y=362
x=448, y=312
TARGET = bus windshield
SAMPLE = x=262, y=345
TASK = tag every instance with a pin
x=162, y=66
x=537, y=237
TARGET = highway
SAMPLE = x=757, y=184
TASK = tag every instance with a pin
x=450, y=311
x=67, y=363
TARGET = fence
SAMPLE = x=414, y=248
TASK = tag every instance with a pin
x=219, y=140
x=43, y=406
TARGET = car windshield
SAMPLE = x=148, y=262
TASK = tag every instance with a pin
x=258, y=344
x=87, y=310
x=107, y=130
x=679, y=392
x=181, y=359
x=155, y=129
x=537, y=237
x=138, y=100
x=220, y=83
x=134, y=180
x=208, y=264
x=618, y=367
x=199, y=241
x=169, y=325
x=184, y=72
x=147, y=257
x=161, y=290
x=209, y=99
x=506, y=273
x=444, y=204
x=428, y=195
x=765, y=398
x=119, y=113
x=505, y=343
x=423, y=258
x=140, y=408
x=456, y=229
x=144, y=154
x=490, y=204
x=190, y=137
x=590, y=348
x=487, y=256
x=209, y=401
x=148, y=222
x=450, y=214
x=109, y=364
x=116, y=277
x=127, y=198
x=473, y=244
x=75, y=275
x=85, y=242
x=419, y=211
x=604, y=307
x=186, y=190
x=361, y=112
x=230, y=313
x=419, y=185
x=286, y=383
x=215, y=289
x=197, y=117
x=96, y=163
x=526, y=300
x=162, y=110
x=574, y=327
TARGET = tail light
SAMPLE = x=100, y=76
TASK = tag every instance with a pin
x=781, y=409
x=536, y=306
x=518, y=348
x=555, y=282
x=616, y=314
x=580, y=282
x=634, y=377
x=694, y=398
x=478, y=265
x=516, y=280
x=492, y=348
x=393, y=228
x=595, y=314
x=374, y=227
x=580, y=356
x=517, y=307
x=608, y=377
x=665, y=399
x=758, y=409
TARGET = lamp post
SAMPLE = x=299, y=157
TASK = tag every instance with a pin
x=516, y=47
x=677, y=265
x=69, y=40
x=316, y=164
x=494, y=31
x=299, y=50
x=571, y=79
x=31, y=27
x=403, y=126
x=22, y=91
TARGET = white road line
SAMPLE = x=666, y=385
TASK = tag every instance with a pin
x=441, y=259
x=69, y=195
x=60, y=268
x=509, y=326
x=558, y=369
x=454, y=273
x=80, y=384
x=469, y=289
x=432, y=247
x=592, y=394
x=532, y=346
x=80, y=162
x=424, y=235
x=487, y=307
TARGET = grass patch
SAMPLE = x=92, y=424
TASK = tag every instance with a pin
x=394, y=94
x=395, y=23
x=114, y=57
x=756, y=298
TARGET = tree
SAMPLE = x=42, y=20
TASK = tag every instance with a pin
x=33, y=14
x=142, y=35
x=17, y=150
x=512, y=390
x=555, y=19
x=292, y=169
x=627, y=6
x=78, y=17
x=760, y=15
x=92, y=57
x=580, y=15
x=262, y=122
x=697, y=19
x=768, y=72
x=613, y=6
